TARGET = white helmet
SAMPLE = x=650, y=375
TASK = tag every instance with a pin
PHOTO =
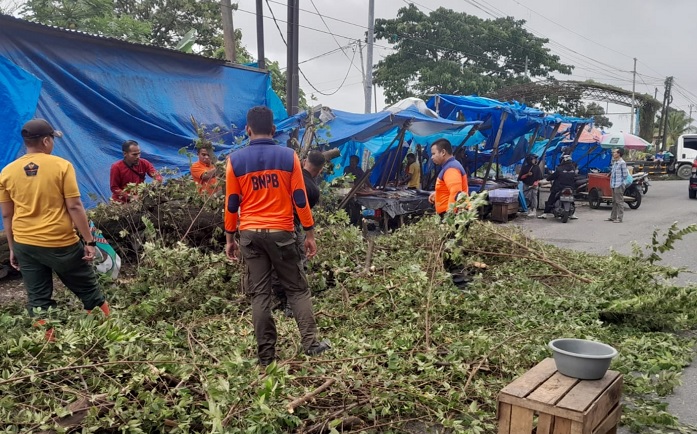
x=565, y=158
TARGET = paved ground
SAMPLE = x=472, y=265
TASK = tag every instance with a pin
x=665, y=203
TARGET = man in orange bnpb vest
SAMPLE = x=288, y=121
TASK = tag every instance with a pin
x=452, y=179
x=264, y=183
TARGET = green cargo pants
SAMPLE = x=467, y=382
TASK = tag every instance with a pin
x=264, y=251
x=37, y=265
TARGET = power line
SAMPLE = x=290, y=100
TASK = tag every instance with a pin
x=579, y=63
x=401, y=35
x=334, y=37
x=324, y=54
x=340, y=86
x=577, y=60
x=417, y=4
x=572, y=31
x=300, y=70
x=408, y=37
x=677, y=85
x=325, y=16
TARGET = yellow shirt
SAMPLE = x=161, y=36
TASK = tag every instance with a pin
x=415, y=172
x=38, y=184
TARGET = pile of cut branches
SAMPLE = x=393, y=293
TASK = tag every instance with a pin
x=409, y=349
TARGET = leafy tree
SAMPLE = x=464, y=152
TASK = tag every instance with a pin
x=595, y=111
x=159, y=22
x=678, y=123
x=453, y=52
x=91, y=16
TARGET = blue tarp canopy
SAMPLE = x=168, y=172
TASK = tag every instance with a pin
x=355, y=133
x=102, y=91
x=519, y=121
x=346, y=126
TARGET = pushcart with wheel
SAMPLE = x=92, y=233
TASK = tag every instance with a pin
x=599, y=192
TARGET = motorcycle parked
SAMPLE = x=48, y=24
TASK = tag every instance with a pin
x=641, y=180
x=565, y=206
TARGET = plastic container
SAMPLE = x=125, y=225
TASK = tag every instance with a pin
x=582, y=359
x=503, y=195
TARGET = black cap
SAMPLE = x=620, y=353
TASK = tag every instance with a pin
x=36, y=128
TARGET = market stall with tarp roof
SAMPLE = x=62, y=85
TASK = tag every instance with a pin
x=587, y=154
x=327, y=128
x=511, y=129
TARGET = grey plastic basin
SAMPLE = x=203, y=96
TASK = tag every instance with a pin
x=582, y=359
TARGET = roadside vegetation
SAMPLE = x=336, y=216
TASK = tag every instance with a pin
x=410, y=351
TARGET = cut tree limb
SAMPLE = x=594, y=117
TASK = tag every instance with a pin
x=308, y=396
x=535, y=258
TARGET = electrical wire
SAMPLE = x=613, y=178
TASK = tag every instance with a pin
x=604, y=75
x=572, y=31
x=334, y=37
x=579, y=63
x=324, y=54
x=417, y=4
x=580, y=60
x=280, y=32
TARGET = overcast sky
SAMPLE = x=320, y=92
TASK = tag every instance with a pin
x=599, y=37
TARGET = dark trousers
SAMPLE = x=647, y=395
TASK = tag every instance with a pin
x=552, y=199
x=276, y=284
x=264, y=252
x=37, y=265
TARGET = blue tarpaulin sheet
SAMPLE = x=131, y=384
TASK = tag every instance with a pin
x=378, y=145
x=19, y=93
x=586, y=155
x=348, y=126
x=519, y=121
x=100, y=92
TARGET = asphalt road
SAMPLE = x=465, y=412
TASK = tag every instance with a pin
x=665, y=202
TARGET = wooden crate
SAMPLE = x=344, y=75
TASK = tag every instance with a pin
x=563, y=405
x=500, y=212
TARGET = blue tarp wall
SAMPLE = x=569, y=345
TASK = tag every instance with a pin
x=378, y=145
x=585, y=155
x=101, y=91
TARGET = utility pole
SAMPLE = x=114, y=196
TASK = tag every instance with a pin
x=631, y=118
x=668, y=98
x=261, y=62
x=228, y=30
x=292, y=79
x=368, y=90
x=360, y=52
x=690, y=118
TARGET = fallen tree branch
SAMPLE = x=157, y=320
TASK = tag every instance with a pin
x=320, y=426
x=536, y=258
x=308, y=396
x=486, y=357
x=92, y=366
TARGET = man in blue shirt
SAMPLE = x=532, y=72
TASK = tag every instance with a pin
x=618, y=175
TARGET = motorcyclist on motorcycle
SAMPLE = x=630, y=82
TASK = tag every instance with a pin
x=564, y=176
